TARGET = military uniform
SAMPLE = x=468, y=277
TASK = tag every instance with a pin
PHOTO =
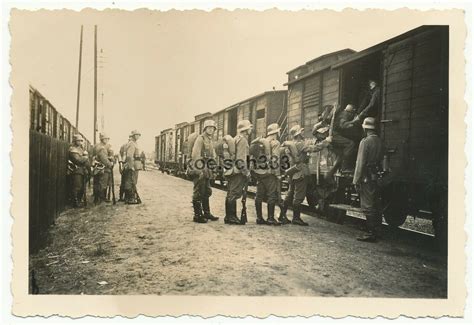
x=372, y=108
x=122, y=157
x=79, y=170
x=103, y=171
x=369, y=160
x=267, y=177
x=131, y=168
x=237, y=177
x=202, y=152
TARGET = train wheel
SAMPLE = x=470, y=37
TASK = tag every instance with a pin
x=440, y=222
x=395, y=205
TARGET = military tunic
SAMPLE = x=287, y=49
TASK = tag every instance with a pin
x=132, y=165
x=202, y=153
x=238, y=179
x=79, y=157
x=369, y=157
x=102, y=179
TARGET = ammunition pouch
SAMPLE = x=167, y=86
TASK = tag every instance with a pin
x=71, y=167
x=98, y=168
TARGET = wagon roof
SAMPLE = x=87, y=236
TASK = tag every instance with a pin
x=380, y=46
x=253, y=97
x=322, y=68
x=166, y=130
x=179, y=125
x=202, y=115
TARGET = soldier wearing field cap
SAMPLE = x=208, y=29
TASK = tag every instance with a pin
x=368, y=164
x=103, y=164
x=203, y=156
x=78, y=168
x=131, y=167
x=238, y=178
x=268, y=176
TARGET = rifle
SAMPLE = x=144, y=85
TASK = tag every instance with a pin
x=85, y=181
x=113, y=185
x=139, y=200
x=243, y=213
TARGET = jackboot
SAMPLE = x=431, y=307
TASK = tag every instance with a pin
x=258, y=209
x=297, y=216
x=104, y=196
x=198, y=216
x=282, y=218
x=233, y=220
x=271, y=215
x=369, y=237
x=207, y=210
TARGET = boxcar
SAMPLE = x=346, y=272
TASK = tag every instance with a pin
x=412, y=70
x=165, y=150
x=262, y=110
x=312, y=86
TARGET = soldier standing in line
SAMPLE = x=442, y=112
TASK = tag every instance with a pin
x=368, y=164
x=132, y=166
x=113, y=160
x=102, y=168
x=297, y=191
x=268, y=177
x=122, y=158
x=78, y=166
x=236, y=182
x=203, y=156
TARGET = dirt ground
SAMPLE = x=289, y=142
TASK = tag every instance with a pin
x=155, y=248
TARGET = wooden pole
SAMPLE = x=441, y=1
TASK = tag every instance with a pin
x=95, y=84
x=79, y=80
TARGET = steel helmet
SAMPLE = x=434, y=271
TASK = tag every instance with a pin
x=296, y=130
x=135, y=132
x=244, y=125
x=104, y=136
x=209, y=123
x=369, y=123
x=78, y=137
x=320, y=127
x=273, y=128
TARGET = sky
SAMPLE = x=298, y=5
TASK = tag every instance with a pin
x=157, y=69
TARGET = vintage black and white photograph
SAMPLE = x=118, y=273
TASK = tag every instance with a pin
x=236, y=153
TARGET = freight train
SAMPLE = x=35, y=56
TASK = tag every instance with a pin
x=412, y=73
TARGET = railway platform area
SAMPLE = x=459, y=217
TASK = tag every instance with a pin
x=155, y=248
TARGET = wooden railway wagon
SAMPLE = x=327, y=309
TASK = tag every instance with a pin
x=165, y=150
x=311, y=86
x=412, y=70
x=261, y=110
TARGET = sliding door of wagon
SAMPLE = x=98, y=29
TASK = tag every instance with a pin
x=311, y=103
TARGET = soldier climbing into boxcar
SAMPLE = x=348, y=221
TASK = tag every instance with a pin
x=267, y=173
x=131, y=168
x=122, y=158
x=203, y=156
x=78, y=168
x=102, y=169
x=366, y=175
x=238, y=175
x=346, y=126
x=343, y=146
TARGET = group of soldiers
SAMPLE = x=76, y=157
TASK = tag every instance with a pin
x=340, y=139
x=99, y=166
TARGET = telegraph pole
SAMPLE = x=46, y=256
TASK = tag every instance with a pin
x=95, y=83
x=79, y=80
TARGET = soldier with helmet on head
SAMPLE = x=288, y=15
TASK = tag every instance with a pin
x=268, y=176
x=102, y=171
x=131, y=167
x=78, y=167
x=239, y=174
x=202, y=156
x=368, y=165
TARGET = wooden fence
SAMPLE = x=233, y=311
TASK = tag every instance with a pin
x=50, y=136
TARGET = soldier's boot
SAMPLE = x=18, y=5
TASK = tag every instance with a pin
x=130, y=197
x=227, y=212
x=121, y=195
x=320, y=207
x=107, y=195
x=271, y=215
x=233, y=220
x=104, y=196
x=198, y=216
x=75, y=201
x=207, y=210
x=297, y=216
x=258, y=209
x=282, y=218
